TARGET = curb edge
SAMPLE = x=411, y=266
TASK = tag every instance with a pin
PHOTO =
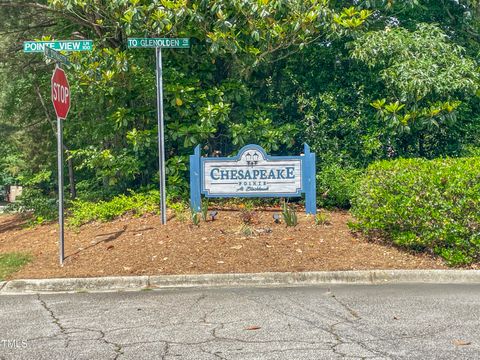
x=131, y=283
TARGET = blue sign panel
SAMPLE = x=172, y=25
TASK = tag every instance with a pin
x=253, y=173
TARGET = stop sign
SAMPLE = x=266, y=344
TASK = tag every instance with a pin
x=60, y=93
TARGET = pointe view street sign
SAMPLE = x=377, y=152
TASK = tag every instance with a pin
x=60, y=93
x=56, y=56
x=173, y=43
x=253, y=173
x=60, y=45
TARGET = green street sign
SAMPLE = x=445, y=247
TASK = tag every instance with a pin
x=56, y=56
x=61, y=45
x=159, y=43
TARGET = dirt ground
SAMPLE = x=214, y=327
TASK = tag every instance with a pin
x=142, y=246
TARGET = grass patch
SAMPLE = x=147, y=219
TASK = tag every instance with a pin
x=12, y=262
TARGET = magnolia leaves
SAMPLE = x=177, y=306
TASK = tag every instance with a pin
x=398, y=116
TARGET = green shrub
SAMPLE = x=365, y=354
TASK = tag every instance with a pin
x=336, y=185
x=38, y=197
x=423, y=205
x=43, y=207
x=83, y=212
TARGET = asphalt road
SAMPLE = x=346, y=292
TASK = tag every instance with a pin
x=321, y=322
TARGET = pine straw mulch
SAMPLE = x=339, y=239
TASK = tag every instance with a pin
x=142, y=246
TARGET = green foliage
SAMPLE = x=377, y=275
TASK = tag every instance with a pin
x=289, y=215
x=424, y=205
x=43, y=207
x=83, y=212
x=336, y=185
x=204, y=209
x=195, y=217
x=352, y=18
x=425, y=75
x=246, y=230
x=37, y=197
x=359, y=81
x=179, y=209
x=417, y=64
x=12, y=262
x=323, y=218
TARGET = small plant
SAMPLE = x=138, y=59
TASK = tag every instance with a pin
x=246, y=230
x=289, y=215
x=323, y=218
x=248, y=217
x=205, y=210
x=179, y=210
x=195, y=217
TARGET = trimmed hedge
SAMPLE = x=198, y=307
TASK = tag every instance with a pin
x=423, y=205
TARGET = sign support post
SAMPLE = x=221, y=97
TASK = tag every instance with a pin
x=158, y=44
x=61, y=103
x=161, y=135
x=61, y=222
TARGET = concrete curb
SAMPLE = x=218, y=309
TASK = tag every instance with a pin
x=113, y=283
x=126, y=283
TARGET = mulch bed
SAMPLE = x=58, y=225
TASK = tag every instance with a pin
x=142, y=246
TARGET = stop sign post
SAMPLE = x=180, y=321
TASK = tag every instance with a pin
x=61, y=103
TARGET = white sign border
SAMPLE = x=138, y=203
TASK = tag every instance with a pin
x=237, y=158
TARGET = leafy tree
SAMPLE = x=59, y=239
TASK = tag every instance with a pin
x=277, y=73
x=425, y=77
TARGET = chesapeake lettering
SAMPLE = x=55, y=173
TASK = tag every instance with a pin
x=253, y=174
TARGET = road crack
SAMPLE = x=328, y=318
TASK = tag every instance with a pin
x=346, y=307
x=117, y=348
x=55, y=320
x=64, y=332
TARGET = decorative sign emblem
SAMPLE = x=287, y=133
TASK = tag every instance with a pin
x=252, y=173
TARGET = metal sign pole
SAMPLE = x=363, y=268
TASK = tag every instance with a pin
x=158, y=44
x=161, y=136
x=60, y=189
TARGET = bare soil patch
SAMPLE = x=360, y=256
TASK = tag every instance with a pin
x=142, y=246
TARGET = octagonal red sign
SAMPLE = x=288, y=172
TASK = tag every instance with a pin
x=60, y=93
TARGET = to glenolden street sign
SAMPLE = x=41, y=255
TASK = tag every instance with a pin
x=173, y=43
x=56, y=56
x=158, y=44
x=61, y=45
